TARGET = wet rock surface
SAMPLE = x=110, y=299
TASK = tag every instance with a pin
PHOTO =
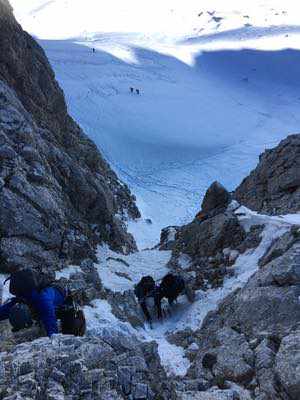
x=274, y=185
x=58, y=196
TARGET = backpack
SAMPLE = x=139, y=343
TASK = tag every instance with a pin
x=20, y=317
x=72, y=318
x=24, y=281
x=144, y=287
x=171, y=286
x=147, y=282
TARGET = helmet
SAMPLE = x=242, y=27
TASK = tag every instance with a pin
x=20, y=317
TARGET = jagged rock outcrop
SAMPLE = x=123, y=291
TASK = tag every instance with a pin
x=216, y=198
x=253, y=338
x=58, y=196
x=273, y=187
x=111, y=367
x=204, y=249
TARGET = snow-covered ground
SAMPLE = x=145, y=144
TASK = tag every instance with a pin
x=207, y=108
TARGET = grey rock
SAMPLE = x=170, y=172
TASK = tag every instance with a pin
x=7, y=152
x=252, y=239
x=215, y=197
x=264, y=363
x=252, y=337
x=235, y=359
x=54, y=180
x=125, y=307
x=281, y=245
x=274, y=185
x=79, y=368
x=215, y=394
x=288, y=364
x=209, y=245
x=209, y=237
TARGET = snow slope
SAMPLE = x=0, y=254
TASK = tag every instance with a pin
x=207, y=108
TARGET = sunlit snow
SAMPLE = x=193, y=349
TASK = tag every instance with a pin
x=208, y=107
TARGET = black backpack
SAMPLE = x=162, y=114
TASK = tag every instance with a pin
x=171, y=286
x=144, y=287
x=24, y=281
x=72, y=318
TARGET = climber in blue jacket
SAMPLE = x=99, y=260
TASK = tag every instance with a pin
x=44, y=302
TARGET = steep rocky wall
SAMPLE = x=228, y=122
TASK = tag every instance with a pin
x=253, y=339
x=58, y=196
x=274, y=185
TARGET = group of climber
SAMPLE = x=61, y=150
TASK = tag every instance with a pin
x=170, y=288
x=38, y=298
x=136, y=91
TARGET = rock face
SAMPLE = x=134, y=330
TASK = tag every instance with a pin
x=58, y=196
x=204, y=249
x=253, y=338
x=274, y=186
x=288, y=364
x=66, y=367
x=249, y=347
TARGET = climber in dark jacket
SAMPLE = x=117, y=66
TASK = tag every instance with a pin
x=144, y=290
x=171, y=287
x=44, y=303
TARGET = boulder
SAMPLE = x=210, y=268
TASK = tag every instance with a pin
x=215, y=197
x=229, y=357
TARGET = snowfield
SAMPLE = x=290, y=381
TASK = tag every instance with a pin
x=217, y=89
